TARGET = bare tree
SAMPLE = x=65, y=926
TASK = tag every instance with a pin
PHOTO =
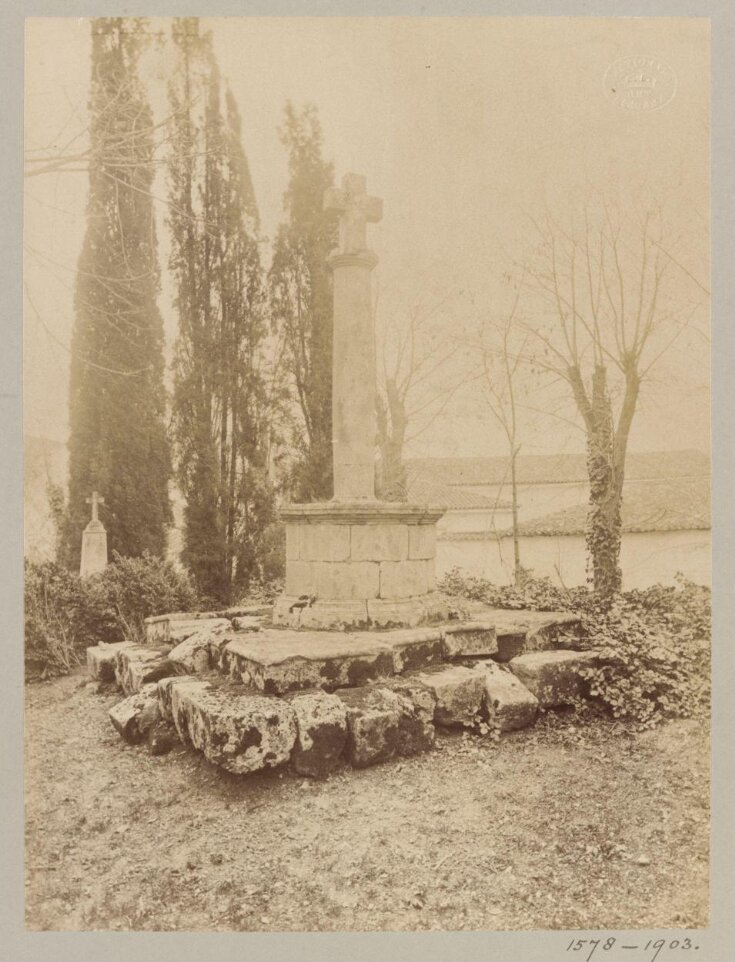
x=608, y=317
x=502, y=347
x=416, y=383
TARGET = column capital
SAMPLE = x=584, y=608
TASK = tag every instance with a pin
x=364, y=258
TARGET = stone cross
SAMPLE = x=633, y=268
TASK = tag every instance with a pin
x=357, y=211
x=95, y=501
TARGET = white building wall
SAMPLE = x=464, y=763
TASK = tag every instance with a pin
x=647, y=558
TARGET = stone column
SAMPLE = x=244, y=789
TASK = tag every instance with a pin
x=353, y=370
x=353, y=377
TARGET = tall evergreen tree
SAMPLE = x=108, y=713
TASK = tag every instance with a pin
x=301, y=300
x=118, y=441
x=219, y=412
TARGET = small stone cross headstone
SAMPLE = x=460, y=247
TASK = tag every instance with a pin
x=94, y=541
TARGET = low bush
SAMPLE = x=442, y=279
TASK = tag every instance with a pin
x=533, y=594
x=652, y=666
x=65, y=614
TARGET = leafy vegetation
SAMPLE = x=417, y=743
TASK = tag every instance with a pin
x=64, y=614
x=653, y=642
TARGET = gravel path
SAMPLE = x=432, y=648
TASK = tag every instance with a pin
x=555, y=827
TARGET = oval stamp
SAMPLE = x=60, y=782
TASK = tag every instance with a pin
x=640, y=83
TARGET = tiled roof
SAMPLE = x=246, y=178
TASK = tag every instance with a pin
x=557, y=468
x=422, y=490
x=647, y=506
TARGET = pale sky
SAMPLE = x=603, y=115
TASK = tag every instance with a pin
x=461, y=125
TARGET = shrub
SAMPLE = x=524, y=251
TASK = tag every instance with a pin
x=533, y=594
x=54, y=599
x=65, y=614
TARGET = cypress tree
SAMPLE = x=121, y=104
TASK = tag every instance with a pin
x=118, y=442
x=301, y=300
x=219, y=411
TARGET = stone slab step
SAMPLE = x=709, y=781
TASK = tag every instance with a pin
x=522, y=631
x=276, y=661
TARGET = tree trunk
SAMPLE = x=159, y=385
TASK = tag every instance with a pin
x=517, y=570
x=604, y=523
x=392, y=422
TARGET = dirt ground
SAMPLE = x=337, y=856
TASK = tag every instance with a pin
x=551, y=828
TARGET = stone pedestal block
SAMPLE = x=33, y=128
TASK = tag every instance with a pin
x=344, y=558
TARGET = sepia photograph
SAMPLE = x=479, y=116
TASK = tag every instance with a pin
x=367, y=476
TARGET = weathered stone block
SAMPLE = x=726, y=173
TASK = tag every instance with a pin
x=156, y=628
x=459, y=693
x=135, y=715
x=165, y=688
x=379, y=542
x=508, y=701
x=403, y=579
x=346, y=580
x=278, y=661
x=552, y=675
x=373, y=721
x=417, y=703
x=240, y=733
x=300, y=578
x=321, y=732
x=101, y=660
x=470, y=638
x=136, y=664
x=422, y=541
x=415, y=648
x=324, y=542
x=194, y=654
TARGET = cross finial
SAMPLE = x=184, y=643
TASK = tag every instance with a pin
x=95, y=501
x=357, y=210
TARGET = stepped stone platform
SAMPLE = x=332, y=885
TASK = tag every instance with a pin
x=250, y=695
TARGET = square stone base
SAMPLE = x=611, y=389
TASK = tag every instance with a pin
x=367, y=563
x=294, y=612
